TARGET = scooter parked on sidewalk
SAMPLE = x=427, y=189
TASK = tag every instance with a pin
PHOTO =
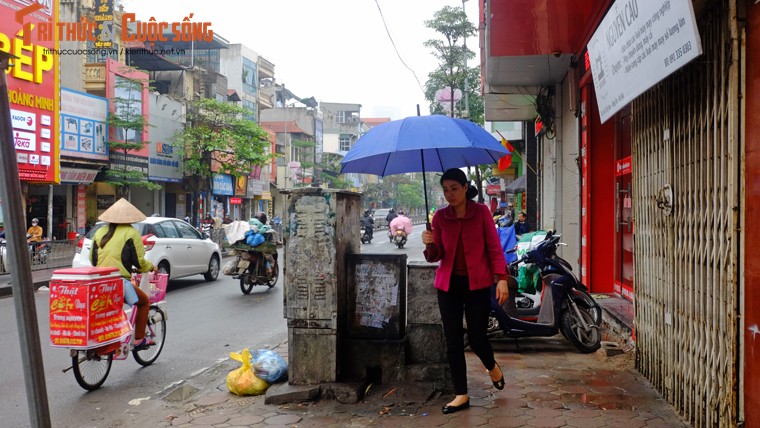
x=565, y=305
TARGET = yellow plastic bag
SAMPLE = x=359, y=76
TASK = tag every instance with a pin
x=243, y=381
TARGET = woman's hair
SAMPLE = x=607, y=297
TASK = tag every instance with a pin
x=456, y=174
x=107, y=237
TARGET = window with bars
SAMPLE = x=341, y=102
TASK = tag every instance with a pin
x=345, y=142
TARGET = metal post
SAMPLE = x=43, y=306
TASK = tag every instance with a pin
x=49, y=236
x=466, y=109
x=18, y=256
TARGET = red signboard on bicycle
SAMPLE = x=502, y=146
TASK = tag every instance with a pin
x=86, y=308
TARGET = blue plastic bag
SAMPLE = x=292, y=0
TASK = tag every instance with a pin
x=268, y=365
x=255, y=239
x=130, y=296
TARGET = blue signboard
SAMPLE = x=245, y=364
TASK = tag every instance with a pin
x=222, y=185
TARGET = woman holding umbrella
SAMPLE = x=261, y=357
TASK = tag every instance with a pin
x=465, y=242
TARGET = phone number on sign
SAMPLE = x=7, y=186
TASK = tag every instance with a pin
x=678, y=53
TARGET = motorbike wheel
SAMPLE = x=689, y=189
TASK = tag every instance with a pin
x=246, y=283
x=275, y=274
x=586, y=340
x=587, y=303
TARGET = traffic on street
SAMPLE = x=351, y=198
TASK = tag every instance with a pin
x=205, y=322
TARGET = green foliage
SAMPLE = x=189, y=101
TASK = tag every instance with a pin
x=128, y=121
x=410, y=195
x=454, y=27
x=218, y=134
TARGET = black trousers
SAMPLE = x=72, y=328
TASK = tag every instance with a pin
x=475, y=306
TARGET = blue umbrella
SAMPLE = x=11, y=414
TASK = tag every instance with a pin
x=420, y=144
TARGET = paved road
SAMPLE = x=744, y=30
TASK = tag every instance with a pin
x=206, y=321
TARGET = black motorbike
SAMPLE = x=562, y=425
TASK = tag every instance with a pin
x=565, y=305
x=257, y=265
x=366, y=235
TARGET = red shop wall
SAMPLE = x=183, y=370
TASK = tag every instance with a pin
x=752, y=218
x=601, y=200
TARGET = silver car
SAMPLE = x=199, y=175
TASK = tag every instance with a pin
x=173, y=245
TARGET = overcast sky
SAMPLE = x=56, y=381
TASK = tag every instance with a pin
x=334, y=50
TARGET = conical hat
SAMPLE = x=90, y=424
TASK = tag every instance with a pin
x=122, y=212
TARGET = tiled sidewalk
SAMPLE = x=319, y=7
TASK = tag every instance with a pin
x=549, y=384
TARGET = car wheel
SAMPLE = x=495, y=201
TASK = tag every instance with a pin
x=213, y=269
x=163, y=267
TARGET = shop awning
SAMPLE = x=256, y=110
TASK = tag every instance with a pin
x=516, y=186
x=78, y=175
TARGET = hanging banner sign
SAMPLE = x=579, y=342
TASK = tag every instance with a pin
x=637, y=44
x=32, y=87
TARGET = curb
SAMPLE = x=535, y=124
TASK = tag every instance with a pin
x=6, y=291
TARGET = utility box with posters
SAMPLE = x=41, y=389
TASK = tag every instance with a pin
x=322, y=228
x=376, y=296
x=86, y=307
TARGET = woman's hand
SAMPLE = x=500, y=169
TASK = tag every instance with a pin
x=502, y=292
x=155, y=269
x=427, y=237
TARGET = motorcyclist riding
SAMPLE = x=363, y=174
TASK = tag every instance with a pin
x=368, y=223
x=402, y=223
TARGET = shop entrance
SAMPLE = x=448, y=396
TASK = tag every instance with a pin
x=623, y=257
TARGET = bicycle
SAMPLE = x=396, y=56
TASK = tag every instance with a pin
x=92, y=366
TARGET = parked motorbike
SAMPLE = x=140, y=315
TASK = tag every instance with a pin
x=564, y=304
x=257, y=265
x=398, y=239
x=366, y=236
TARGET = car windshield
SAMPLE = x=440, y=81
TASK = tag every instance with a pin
x=139, y=226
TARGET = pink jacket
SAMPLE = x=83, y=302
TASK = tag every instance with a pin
x=482, y=248
x=401, y=223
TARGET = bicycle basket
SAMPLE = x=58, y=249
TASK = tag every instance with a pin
x=157, y=289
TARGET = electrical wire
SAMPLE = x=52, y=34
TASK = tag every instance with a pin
x=382, y=17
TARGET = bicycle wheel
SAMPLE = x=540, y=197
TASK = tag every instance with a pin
x=156, y=330
x=91, y=369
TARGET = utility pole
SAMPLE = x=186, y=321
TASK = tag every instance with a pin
x=466, y=109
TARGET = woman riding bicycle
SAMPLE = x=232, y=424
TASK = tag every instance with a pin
x=120, y=245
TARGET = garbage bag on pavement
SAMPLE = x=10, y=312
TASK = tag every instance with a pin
x=269, y=365
x=244, y=381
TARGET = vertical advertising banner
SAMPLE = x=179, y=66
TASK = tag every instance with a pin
x=127, y=92
x=32, y=88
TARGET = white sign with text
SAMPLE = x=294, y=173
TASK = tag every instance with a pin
x=639, y=43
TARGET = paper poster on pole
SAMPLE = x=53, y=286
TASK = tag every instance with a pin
x=637, y=44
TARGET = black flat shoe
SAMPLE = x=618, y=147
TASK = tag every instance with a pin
x=447, y=410
x=499, y=384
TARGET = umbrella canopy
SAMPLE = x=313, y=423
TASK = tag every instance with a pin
x=517, y=186
x=422, y=143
